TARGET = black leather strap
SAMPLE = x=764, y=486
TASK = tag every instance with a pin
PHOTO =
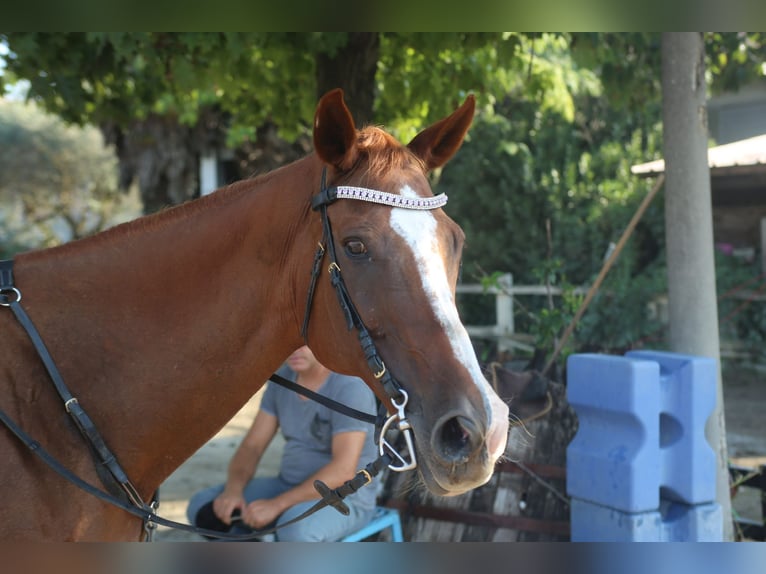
x=330, y=497
x=131, y=500
x=326, y=196
x=145, y=512
x=315, y=271
x=116, y=479
x=362, y=478
x=320, y=202
x=6, y=274
x=326, y=401
x=126, y=497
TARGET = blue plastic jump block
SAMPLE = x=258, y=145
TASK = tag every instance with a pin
x=641, y=433
x=384, y=518
x=688, y=385
x=674, y=522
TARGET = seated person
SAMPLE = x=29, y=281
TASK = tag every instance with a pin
x=319, y=444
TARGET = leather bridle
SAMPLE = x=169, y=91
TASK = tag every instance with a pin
x=397, y=395
x=123, y=494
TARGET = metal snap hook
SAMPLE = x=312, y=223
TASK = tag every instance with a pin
x=407, y=460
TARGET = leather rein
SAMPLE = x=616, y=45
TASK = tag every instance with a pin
x=120, y=492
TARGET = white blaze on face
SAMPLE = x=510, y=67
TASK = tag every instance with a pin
x=418, y=229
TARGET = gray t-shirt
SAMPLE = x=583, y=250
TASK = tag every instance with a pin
x=308, y=428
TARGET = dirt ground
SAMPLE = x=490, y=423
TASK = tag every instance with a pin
x=745, y=406
x=744, y=402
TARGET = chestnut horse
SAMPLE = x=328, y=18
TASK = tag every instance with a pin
x=165, y=326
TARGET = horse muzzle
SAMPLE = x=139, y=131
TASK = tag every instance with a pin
x=462, y=448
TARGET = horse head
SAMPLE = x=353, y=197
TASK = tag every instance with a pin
x=400, y=267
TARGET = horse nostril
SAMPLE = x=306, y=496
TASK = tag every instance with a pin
x=456, y=439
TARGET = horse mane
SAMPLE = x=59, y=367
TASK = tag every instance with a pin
x=178, y=212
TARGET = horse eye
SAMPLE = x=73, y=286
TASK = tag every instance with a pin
x=354, y=247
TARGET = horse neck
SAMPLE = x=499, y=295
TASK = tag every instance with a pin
x=175, y=320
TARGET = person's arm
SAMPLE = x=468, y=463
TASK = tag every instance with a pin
x=243, y=465
x=346, y=451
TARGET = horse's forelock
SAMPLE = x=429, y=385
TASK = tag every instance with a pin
x=381, y=155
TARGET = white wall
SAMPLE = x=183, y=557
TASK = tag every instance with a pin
x=739, y=115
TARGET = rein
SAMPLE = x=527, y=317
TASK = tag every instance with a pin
x=148, y=513
x=109, y=470
x=123, y=494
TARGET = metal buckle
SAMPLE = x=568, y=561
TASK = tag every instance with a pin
x=408, y=460
x=150, y=526
x=5, y=300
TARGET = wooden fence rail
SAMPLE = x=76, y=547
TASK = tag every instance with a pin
x=504, y=330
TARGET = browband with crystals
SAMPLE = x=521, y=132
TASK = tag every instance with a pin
x=375, y=196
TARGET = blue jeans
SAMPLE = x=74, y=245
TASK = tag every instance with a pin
x=325, y=525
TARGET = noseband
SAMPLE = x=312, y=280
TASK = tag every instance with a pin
x=392, y=388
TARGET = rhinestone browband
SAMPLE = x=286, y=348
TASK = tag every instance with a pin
x=382, y=197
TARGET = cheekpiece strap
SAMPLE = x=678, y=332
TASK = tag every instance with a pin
x=6, y=274
x=325, y=197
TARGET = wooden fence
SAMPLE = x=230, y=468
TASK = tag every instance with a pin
x=504, y=330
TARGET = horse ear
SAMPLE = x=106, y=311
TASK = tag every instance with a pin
x=436, y=144
x=334, y=131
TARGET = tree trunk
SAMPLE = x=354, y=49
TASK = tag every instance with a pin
x=268, y=151
x=353, y=69
x=162, y=155
x=692, y=303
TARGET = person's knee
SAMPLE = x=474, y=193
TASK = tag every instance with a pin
x=313, y=528
x=326, y=525
x=301, y=532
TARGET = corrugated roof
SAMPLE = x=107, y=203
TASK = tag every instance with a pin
x=747, y=152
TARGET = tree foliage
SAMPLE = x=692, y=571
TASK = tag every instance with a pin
x=153, y=90
x=118, y=77
x=734, y=60
x=253, y=77
x=57, y=183
x=562, y=117
x=531, y=166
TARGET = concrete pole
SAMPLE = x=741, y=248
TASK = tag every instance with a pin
x=692, y=301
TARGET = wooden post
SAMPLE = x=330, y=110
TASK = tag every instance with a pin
x=504, y=312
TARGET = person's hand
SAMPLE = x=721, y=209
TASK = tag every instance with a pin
x=226, y=503
x=261, y=513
